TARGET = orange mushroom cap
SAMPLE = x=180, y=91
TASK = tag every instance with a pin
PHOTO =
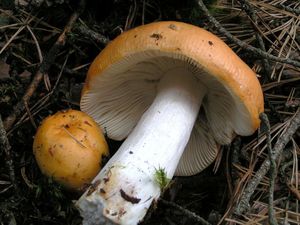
x=68, y=147
x=181, y=41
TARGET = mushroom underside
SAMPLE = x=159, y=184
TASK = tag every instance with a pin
x=127, y=89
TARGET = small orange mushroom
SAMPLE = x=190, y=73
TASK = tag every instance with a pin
x=68, y=147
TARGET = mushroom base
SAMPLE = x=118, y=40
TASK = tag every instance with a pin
x=125, y=188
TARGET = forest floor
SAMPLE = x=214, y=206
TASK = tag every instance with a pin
x=46, y=47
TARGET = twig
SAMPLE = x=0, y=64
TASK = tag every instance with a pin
x=11, y=39
x=235, y=152
x=245, y=46
x=30, y=115
x=289, y=9
x=36, y=43
x=186, y=212
x=86, y=31
x=24, y=24
x=236, y=146
x=273, y=173
x=73, y=137
x=286, y=136
x=69, y=71
x=251, y=13
x=294, y=191
x=44, y=68
x=4, y=144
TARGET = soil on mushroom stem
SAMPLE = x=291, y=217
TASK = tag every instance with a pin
x=38, y=200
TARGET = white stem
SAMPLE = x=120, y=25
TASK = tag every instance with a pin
x=126, y=186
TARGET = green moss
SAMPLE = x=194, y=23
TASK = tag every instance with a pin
x=161, y=179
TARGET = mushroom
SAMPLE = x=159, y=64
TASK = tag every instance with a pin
x=68, y=147
x=175, y=92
